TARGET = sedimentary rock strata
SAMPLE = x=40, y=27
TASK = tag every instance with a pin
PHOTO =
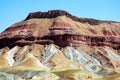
x=57, y=41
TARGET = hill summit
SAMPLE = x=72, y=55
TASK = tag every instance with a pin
x=65, y=46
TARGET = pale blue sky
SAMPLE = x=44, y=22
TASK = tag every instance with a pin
x=12, y=11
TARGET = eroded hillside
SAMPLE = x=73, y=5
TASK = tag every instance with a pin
x=59, y=43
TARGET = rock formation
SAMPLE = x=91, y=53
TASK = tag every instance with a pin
x=65, y=46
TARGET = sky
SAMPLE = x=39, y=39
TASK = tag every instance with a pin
x=13, y=11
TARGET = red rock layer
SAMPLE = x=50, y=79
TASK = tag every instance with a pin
x=93, y=31
x=108, y=33
x=60, y=28
x=18, y=30
x=63, y=40
x=79, y=40
x=22, y=27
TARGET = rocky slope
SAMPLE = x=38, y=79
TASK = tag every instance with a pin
x=62, y=46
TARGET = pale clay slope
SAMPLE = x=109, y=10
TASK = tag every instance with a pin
x=54, y=58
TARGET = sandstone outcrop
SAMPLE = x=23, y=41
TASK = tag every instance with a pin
x=56, y=13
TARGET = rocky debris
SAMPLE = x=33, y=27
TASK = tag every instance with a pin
x=27, y=75
x=58, y=75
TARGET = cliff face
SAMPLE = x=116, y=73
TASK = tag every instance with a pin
x=56, y=13
x=57, y=41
